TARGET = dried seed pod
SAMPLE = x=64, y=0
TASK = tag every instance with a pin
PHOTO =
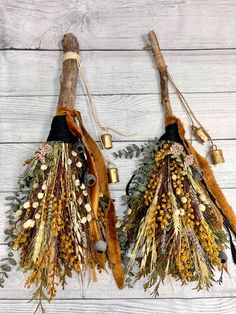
x=89, y=179
x=223, y=256
x=79, y=147
x=100, y=246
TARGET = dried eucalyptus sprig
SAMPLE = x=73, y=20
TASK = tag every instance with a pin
x=14, y=202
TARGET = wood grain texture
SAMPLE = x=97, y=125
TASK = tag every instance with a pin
x=144, y=111
x=13, y=156
x=118, y=72
x=111, y=24
x=160, y=306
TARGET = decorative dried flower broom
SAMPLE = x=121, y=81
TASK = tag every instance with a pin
x=176, y=210
x=65, y=217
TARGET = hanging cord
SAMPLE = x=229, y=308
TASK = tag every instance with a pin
x=188, y=110
x=99, y=127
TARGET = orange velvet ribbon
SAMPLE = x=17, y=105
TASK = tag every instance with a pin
x=98, y=168
x=209, y=177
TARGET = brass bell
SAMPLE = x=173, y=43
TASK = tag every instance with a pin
x=112, y=174
x=201, y=134
x=106, y=140
x=216, y=156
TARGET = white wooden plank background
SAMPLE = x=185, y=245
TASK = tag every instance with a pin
x=199, y=43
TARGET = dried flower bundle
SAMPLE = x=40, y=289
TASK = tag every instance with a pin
x=57, y=230
x=62, y=217
x=173, y=226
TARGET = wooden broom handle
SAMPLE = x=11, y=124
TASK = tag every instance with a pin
x=162, y=68
x=68, y=80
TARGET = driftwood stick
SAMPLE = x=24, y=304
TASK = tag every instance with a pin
x=162, y=68
x=68, y=80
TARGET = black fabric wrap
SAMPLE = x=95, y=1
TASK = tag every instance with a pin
x=60, y=131
x=171, y=134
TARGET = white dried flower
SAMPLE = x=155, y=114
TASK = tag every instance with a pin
x=37, y=216
x=184, y=200
x=174, y=177
x=40, y=195
x=85, y=193
x=118, y=224
x=83, y=220
x=77, y=182
x=18, y=213
x=202, y=207
x=129, y=211
x=35, y=204
x=88, y=207
x=26, y=205
x=43, y=167
x=89, y=217
x=29, y=224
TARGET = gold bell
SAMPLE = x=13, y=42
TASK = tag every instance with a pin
x=201, y=134
x=106, y=140
x=216, y=156
x=113, y=176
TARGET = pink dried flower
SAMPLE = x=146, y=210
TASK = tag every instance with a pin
x=40, y=157
x=189, y=160
x=45, y=149
x=176, y=149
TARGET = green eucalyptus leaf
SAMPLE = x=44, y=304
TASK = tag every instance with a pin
x=10, y=198
x=14, y=206
x=142, y=188
x=8, y=231
x=12, y=261
x=125, y=198
x=137, y=153
x=6, y=268
x=135, y=146
x=10, y=217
